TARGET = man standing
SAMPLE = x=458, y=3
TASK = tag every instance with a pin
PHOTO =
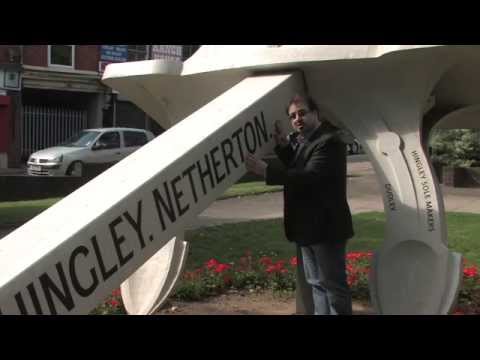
x=316, y=213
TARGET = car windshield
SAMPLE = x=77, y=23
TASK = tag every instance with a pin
x=82, y=139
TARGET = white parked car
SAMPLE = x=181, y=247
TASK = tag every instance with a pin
x=89, y=146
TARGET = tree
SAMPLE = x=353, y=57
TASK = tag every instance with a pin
x=455, y=148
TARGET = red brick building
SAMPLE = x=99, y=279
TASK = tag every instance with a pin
x=49, y=92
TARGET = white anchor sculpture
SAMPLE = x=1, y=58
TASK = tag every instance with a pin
x=126, y=226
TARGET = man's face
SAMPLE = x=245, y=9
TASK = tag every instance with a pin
x=302, y=119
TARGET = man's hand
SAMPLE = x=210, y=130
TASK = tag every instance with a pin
x=279, y=136
x=255, y=165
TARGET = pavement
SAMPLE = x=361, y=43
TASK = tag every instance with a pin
x=363, y=195
x=13, y=171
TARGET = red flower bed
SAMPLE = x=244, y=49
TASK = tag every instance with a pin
x=263, y=272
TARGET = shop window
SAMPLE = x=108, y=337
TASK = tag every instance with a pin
x=61, y=55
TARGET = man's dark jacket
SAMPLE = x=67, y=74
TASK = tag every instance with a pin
x=314, y=178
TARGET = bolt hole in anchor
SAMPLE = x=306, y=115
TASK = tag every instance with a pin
x=389, y=143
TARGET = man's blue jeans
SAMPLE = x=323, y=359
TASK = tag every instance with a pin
x=324, y=266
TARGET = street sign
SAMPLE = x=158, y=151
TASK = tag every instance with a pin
x=167, y=52
x=114, y=53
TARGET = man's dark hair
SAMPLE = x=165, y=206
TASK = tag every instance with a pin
x=307, y=99
x=312, y=106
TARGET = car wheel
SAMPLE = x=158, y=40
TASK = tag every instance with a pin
x=75, y=169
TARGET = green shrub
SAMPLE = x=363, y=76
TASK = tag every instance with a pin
x=459, y=147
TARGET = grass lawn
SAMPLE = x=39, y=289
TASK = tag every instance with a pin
x=250, y=188
x=14, y=213
x=265, y=237
x=228, y=242
x=464, y=235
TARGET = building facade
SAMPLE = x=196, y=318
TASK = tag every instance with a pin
x=49, y=92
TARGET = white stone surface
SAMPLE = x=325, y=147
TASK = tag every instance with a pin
x=71, y=256
x=381, y=99
x=380, y=92
x=148, y=288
